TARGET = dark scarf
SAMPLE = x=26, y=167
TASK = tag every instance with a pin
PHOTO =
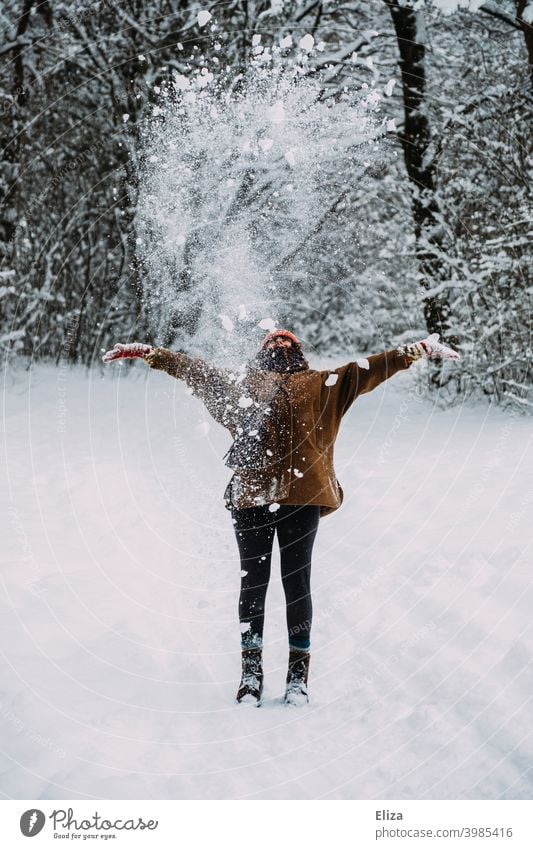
x=249, y=447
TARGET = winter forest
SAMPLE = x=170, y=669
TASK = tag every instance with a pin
x=189, y=175
x=361, y=168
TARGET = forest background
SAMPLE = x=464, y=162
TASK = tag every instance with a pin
x=433, y=235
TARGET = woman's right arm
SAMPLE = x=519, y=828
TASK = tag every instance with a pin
x=212, y=385
x=196, y=373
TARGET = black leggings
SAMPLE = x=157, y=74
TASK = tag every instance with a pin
x=255, y=528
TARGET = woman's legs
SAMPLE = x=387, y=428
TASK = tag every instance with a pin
x=254, y=529
x=297, y=527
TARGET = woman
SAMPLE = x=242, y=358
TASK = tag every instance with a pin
x=284, y=418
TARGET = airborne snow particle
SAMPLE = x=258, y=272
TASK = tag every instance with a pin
x=286, y=42
x=290, y=157
x=389, y=87
x=245, y=401
x=227, y=323
x=391, y=126
x=272, y=508
x=266, y=324
x=204, y=17
x=331, y=380
x=307, y=43
x=276, y=112
x=362, y=362
x=181, y=82
x=245, y=626
x=266, y=144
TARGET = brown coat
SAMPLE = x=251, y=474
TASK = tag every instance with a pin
x=302, y=421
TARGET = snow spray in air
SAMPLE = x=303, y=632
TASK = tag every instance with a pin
x=238, y=179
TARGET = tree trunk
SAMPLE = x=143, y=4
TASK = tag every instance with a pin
x=415, y=139
x=10, y=145
x=527, y=29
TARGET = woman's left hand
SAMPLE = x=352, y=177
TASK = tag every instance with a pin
x=435, y=350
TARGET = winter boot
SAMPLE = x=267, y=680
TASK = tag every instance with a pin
x=296, y=691
x=251, y=686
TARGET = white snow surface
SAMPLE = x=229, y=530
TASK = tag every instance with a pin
x=118, y=614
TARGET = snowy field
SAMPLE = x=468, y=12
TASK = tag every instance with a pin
x=119, y=633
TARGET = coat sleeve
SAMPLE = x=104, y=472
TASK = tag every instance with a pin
x=366, y=373
x=214, y=386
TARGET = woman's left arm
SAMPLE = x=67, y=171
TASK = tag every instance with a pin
x=366, y=373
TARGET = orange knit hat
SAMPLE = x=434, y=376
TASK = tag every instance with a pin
x=275, y=333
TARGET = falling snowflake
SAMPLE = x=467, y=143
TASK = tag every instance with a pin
x=204, y=17
x=266, y=144
x=227, y=323
x=307, y=43
x=267, y=324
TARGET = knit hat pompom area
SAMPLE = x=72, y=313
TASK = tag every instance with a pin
x=275, y=333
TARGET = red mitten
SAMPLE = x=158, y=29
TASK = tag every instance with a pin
x=122, y=352
x=435, y=350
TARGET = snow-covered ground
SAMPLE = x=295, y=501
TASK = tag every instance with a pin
x=118, y=627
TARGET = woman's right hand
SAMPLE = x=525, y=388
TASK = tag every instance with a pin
x=127, y=352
